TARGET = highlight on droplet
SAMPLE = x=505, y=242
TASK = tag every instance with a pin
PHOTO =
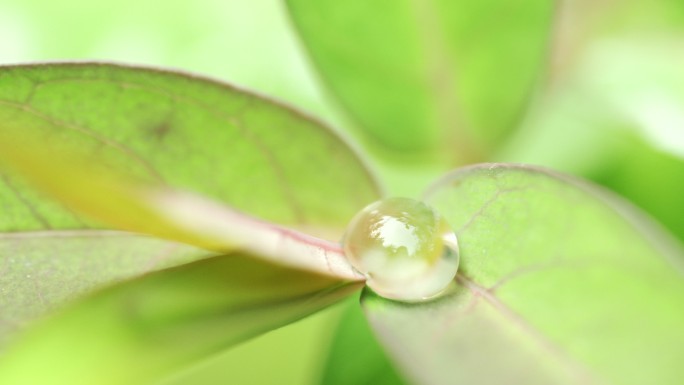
x=406, y=250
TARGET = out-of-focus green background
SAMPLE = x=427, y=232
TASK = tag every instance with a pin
x=250, y=44
x=610, y=107
x=247, y=43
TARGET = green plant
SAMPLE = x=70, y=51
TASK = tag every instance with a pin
x=559, y=281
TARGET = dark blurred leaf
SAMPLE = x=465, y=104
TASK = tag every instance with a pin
x=355, y=356
x=142, y=330
x=441, y=80
x=559, y=283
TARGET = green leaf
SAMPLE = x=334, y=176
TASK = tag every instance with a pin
x=560, y=282
x=355, y=356
x=167, y=128
x=142, y=330
x=440, y=80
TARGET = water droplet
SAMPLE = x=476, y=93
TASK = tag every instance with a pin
x=405, y=248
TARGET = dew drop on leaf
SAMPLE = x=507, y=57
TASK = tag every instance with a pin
x=406, y=250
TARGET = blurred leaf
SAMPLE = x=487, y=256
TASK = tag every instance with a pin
x=41, y=271
x=559, y=283
x=147, y=328
x=355, y=356
x=649, y=178
x=168, y=128
x=617, y=119
x=579, y=24
x=438, y=79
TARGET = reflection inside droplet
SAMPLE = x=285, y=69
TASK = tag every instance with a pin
x=406, y=249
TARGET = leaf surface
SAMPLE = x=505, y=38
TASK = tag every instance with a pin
x=144, y=329
x=559, y=283
x=423, y=78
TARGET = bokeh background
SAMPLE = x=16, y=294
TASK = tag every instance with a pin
x=609, y=106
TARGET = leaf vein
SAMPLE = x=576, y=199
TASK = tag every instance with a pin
x=577, y=371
